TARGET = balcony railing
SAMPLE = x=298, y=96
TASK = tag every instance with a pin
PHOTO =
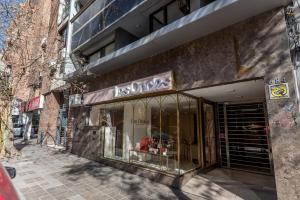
x=99, y=15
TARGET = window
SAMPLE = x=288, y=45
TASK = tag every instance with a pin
x=189, y=155
x=78, y=6
x=64, y=36
x=156, y=132
x=97, y=16
x=111, y=122
x=16, y=120
x=107, y=49
x=169, y=13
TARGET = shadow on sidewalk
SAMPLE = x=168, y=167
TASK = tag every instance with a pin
x=130, y=185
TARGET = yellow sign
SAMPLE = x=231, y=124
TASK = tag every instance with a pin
x=279, y=91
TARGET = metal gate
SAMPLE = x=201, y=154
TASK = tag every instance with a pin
x=61, y=133
x=243, y=137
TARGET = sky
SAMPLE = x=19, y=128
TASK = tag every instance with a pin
x=5, y=8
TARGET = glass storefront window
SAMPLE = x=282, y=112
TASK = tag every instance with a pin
x=189, y=142
x=156, y=132
x=112, y=126
x=169, y=133
x=145, y=123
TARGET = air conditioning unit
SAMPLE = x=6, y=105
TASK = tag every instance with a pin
x=75, y=100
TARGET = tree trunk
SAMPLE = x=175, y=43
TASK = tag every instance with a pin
x=7, y=135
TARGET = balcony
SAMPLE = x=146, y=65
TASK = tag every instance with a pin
x=172, y=31
x=98, y=16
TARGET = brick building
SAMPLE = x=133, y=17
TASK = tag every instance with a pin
x=34, y=52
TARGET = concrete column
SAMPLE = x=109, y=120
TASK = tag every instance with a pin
x=27, y=121
x=69, y=67
x=285, y=139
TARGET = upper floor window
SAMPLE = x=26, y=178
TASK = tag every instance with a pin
x=169, y=13
x=107, y=49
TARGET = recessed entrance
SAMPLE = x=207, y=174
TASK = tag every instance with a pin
x=243, y=137
x=235, y=126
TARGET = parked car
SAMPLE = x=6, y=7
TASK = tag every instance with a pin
x=7, y=190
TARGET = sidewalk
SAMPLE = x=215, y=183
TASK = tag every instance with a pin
x=46, y=174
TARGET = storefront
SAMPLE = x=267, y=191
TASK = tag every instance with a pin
x=17, y=118
x=148, y=123
x=31, y=116
x=156, y=132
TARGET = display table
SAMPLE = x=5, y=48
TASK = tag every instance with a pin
x=167, y=156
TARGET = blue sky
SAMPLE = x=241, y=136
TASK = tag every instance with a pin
x=4, y=17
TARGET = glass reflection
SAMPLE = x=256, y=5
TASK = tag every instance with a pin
x=168, y=137
x=156, y=132
x=99, y=15
x=189, y=157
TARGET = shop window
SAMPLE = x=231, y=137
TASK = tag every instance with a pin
x=116, y=134
x=147, y=123
x=35, y=122
x=169, y=132
x=149, y=132
x=189, y=142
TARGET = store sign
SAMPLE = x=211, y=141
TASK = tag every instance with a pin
x=279, y=91
x=33, y=104
x=161, y=82
x=157, y=83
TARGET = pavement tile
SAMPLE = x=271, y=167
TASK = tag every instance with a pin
x=47, y=174
x=76, y=197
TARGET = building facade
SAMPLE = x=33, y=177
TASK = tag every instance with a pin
x=167, y=88
x=36, y=52
x=180, y=86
